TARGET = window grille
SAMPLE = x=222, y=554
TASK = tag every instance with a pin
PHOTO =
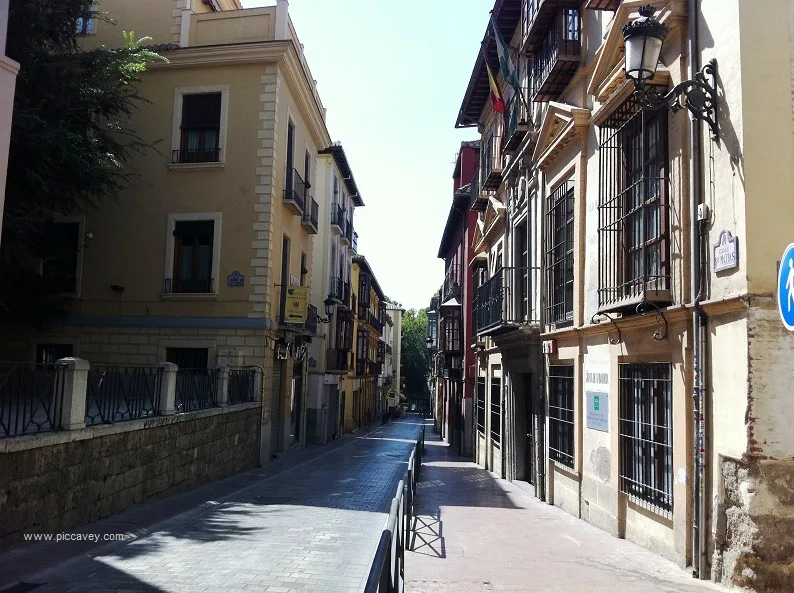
x=559, y=254
x=561, y=418
x=496, y=409
x=481, y=405
x=633, y=208
x=646, y=432
x=522, y=272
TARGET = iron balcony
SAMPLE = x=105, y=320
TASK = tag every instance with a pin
x=295, y=192
x=504, y=302
x=310, y=218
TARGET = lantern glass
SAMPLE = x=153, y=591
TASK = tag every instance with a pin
x=642, y=56
x=329, y=306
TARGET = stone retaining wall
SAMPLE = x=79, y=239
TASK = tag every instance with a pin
x=58, y=481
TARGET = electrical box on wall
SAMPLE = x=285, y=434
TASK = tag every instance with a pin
x=549, y=346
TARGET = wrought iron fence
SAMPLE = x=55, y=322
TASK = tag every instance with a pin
x=312, y=214
x=31, y=398
x=119, y=393
x=242, y=386
x=196, y=389
x=196, y=155
x=387, y=574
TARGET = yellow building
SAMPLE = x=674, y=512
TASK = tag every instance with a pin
x=8, y=77
x=363, y=404
x=194, y=261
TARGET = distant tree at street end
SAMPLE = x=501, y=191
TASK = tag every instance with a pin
x=414, y=364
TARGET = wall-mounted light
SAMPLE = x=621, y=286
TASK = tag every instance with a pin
x=643, y=44
x=329, y=310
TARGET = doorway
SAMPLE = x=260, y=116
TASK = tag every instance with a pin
x=529, y=424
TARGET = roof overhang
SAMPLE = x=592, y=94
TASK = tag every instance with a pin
x=460, y=204
x=340, y=158
x=364, y=264
x=507, y=15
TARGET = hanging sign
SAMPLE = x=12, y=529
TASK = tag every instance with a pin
x=297, y=304
x=785, y=288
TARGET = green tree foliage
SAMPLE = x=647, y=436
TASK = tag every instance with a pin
x=70, y=138
x=414, y=360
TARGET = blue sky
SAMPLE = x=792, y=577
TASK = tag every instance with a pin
x=392, y=80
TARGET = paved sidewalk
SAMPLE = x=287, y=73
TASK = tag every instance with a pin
x=477, y=533
x=310, y=528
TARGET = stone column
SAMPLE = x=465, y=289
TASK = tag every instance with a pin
x=168, y=388
x=75, y=384
x=223, y=385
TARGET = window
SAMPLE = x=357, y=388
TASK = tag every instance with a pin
x=450, y=330
x=522, y=272
x=646, y=432
x=192, y=253
x=58, y=250
x=561, y=426
x=481, y=405
x=200, y=129
x=496, y=405
x=193, y=242
x=362, y=351
x=199, y=125
x=633, y=216
x=304, y=269
x=188, y=358
x=86, y=24
x=559, y=255
x=50, y=353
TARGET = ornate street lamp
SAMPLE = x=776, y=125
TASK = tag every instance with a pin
x=643, y=44
x=329, y=309
x=429, y=343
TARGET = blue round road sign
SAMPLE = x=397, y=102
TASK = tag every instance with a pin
x=785, y=288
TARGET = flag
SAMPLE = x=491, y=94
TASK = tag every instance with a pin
x=497, y=102
x=505, y=63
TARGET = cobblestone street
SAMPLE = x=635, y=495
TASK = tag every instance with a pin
x=479, y=533
x=312, y=528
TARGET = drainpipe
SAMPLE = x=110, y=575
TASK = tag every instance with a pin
x=696, y=234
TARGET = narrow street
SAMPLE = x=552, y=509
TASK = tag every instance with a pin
x=311, y=528
x=479, y=533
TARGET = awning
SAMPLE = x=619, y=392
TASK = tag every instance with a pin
x=451, y=302
x=481, y=259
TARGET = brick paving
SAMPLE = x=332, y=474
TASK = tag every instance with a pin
x=312, y=528
x=477, y=533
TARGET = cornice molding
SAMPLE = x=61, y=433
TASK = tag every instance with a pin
x=562, y=124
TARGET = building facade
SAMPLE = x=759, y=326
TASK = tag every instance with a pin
x=394, y=355
x=331, y=352
x=627, y=342
x=450, y=321
x=8, y=76
x=206, y=260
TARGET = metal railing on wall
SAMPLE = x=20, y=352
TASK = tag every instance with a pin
x=196, y=389
x=119, y=393
x=31, y=398
x=387, y=574
x=242, y=386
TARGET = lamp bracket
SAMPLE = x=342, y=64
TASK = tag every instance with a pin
x=661, y=333
x=698, y=96
x=594, y=319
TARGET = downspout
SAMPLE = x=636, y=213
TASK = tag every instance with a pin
x=697, y=229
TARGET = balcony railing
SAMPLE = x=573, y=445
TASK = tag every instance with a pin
x=556, y=59
x=491, y=163
x=336, y=289
x=189, y=285
x=505, y=301
x=517, y=121
x=337, y=218
x=311, y=216
x=451, y=282
x=477, y=200
x=355, y=242
x=295, y=192
x=537, y=16
x=196, y=155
